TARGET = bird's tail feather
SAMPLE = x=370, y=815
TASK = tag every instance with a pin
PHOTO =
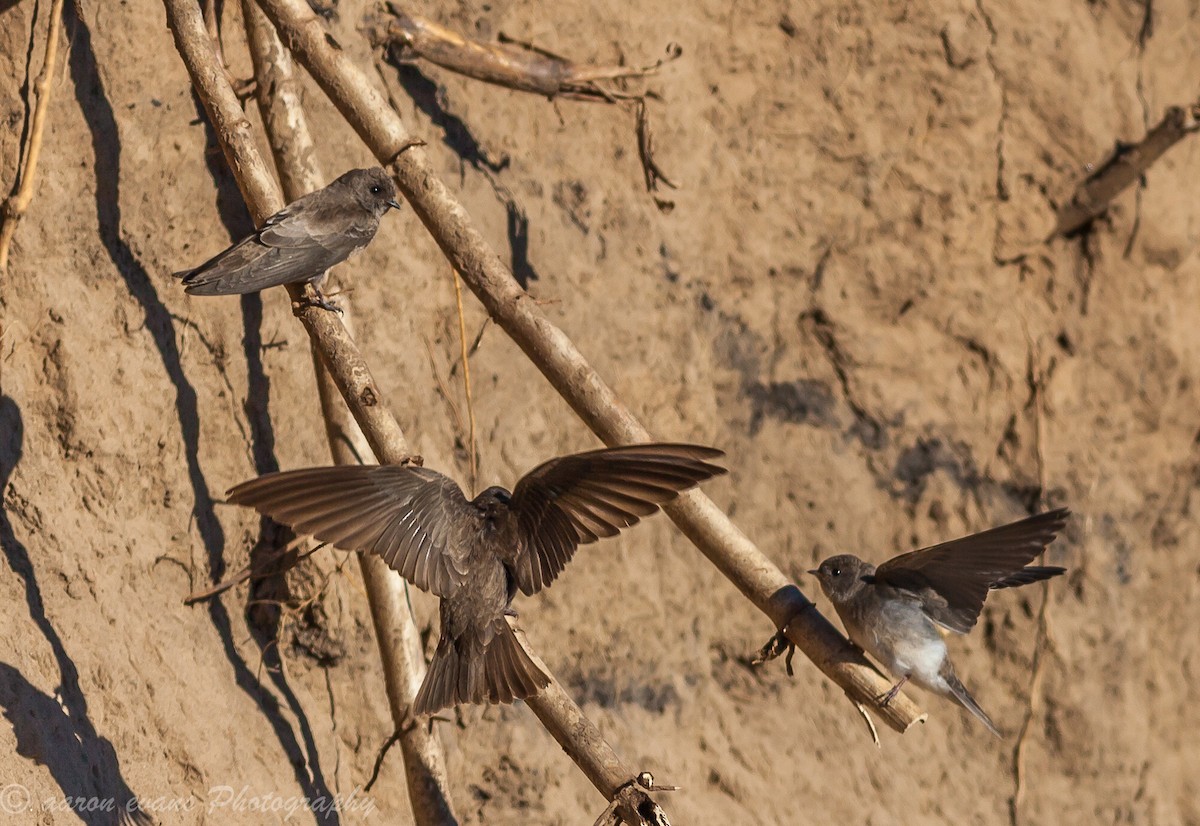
x=960, y=693
x=502, y=673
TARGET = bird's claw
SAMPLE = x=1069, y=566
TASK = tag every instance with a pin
x=884, y=699
x=319, y=300
x=326, y=304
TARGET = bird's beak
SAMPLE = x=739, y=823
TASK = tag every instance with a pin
x=813, y=571
x=394, y=204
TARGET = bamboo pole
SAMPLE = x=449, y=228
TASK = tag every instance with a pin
x=278, y=94
x=561, y=362
x=353, y=379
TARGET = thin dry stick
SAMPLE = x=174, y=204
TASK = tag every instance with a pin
x=279, y=100
x=462, y=337
x=16, y=204
x=565, y=367
x=1042, y=640
x=351, y=375
x=442, y=389
x=247, y=572
x=1126, y=165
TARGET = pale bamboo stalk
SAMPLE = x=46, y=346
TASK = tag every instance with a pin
x=710, y=529
x=280, y=102
x=15, y=206
x=345, y=363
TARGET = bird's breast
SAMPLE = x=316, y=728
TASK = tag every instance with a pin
x=907, y=642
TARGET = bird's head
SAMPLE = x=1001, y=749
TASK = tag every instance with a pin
x=841, y=576
x=493, y=501
x=373, y=189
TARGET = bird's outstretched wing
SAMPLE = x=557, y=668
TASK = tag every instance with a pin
x=952, y=579
x=408, y=515
x=577, y=499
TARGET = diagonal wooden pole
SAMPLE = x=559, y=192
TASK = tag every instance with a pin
x=580, y=738
x=561, y=362
x=278, y=94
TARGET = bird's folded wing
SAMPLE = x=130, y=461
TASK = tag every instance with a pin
x=952, y=579
x=407, y=515
x=577, y=499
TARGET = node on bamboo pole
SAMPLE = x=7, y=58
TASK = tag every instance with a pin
x=561, y=362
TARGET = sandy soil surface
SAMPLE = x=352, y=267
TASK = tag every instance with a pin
x=853, y=297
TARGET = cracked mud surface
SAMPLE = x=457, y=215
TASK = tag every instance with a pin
x=853, y=297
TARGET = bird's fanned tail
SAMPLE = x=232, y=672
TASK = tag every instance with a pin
x=503, y=673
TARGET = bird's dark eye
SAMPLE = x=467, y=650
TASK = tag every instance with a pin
x=375, y=190
x=836, y=572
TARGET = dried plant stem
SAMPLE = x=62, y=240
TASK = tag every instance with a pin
x=564, y=366
x=279, y=100
x=247, y=571
x=16, y=204
x=462, y=338
x=1042, y=642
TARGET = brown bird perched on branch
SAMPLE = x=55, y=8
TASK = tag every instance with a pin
x=894, y=611
x=301, y=241
x=477, y=554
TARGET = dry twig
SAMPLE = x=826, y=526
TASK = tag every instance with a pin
x=1037, y=384
x=16, y=204
x=866, y=715
x=466, y=365
x=564, y=366
x=1127, y=164
x=247, y=572
x=650, y=169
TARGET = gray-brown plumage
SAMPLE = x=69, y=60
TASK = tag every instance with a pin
x=894, y=611
x=301, y=241
x=476, y=554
